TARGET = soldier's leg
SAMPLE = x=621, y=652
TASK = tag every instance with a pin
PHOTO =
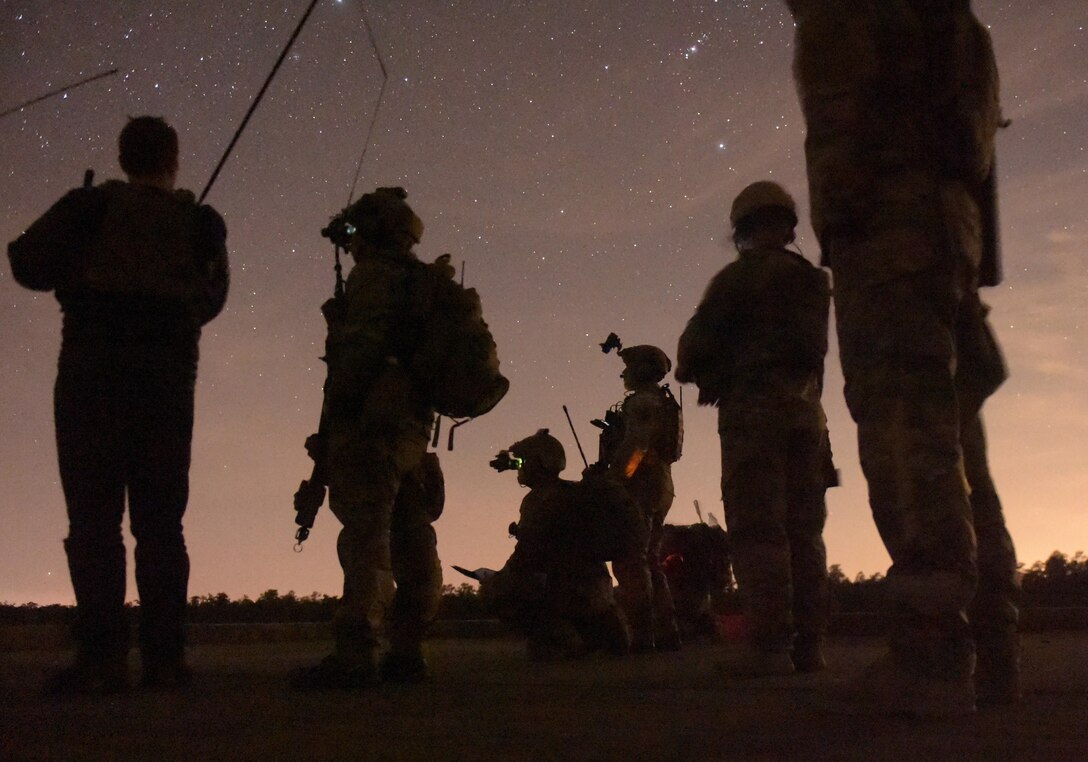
x=806, y=483
x=416, y=570
x=635, y=595
x=895, y=339
x=995, y=609
x=364, y=479
x=980, y=370
x=753, y=491
x=666, y=628
x=159, y=447
x=592, y=606
x=90, y=457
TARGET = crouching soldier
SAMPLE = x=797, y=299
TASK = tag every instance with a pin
x=554, y=589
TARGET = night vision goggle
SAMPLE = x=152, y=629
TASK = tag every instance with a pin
x=507, y=461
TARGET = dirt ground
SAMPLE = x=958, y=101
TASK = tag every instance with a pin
x=487, y=702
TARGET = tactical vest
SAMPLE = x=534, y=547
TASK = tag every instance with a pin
x=146, y=247
x=670, y=436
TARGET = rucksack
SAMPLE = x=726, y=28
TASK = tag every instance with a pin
x=601, y=522
x=671, y=446
x=455, y=364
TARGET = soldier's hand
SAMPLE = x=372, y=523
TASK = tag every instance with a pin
x=308, y=499
x=316, y=447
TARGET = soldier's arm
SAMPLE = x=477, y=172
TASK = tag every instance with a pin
x=42, y=255
x=215, y=266
x=704, y=339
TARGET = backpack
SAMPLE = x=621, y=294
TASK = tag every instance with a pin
x=455, y=364
x=671, y=446
x=602, y=522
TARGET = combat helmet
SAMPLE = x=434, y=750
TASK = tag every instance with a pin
x=543, y=449
x=646, y=361
x=759, y=196
x=384, y=219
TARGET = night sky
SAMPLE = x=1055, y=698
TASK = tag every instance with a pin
x=579, y=159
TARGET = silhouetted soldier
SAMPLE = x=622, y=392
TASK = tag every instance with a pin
x=138, y=268
x=639, y=448
x=756, y=347
x=404, y=340
x=553, y=588
x=901, y=103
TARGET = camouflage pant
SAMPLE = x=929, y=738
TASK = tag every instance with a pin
x=773, y=483
x=382, y=491
x=994, y=612
x=899, y=332
x=643, y=589
x=570, y=602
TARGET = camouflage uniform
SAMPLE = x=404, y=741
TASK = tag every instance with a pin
x=643, y=587
x=901, y=102
x=376, y=431
x=137, y=271
x=756, y=346
x=561, y=600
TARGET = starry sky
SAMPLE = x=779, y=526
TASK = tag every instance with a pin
x=579, y=158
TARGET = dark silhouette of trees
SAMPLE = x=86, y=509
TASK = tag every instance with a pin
x=1059, y=581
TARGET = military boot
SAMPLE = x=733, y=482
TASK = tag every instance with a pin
x=353, y=666
x=404, y=663
x=553, y=640
x=90, y=676
x=808, y=654
x=165, y=674
x=749, y=661
x=997, y=672
x=888, y=688
x=667, y=635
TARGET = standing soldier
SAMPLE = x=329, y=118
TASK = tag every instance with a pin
x=404, y=340
x=901, y=103
x=639, y=448
x=755, y=347
x=138, y=268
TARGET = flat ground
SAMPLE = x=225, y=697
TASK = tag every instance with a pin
x=487, y=702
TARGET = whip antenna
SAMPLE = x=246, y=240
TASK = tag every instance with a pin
x=58, y=91
x=256, y=101
x=377, y=105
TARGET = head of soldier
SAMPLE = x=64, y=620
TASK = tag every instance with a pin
x=643, y=365
x=147, y=151
x=543, y=459
x=383, y=221
x=763, y=216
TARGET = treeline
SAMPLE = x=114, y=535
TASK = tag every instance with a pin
x=270, y=606
x=1059, y=581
